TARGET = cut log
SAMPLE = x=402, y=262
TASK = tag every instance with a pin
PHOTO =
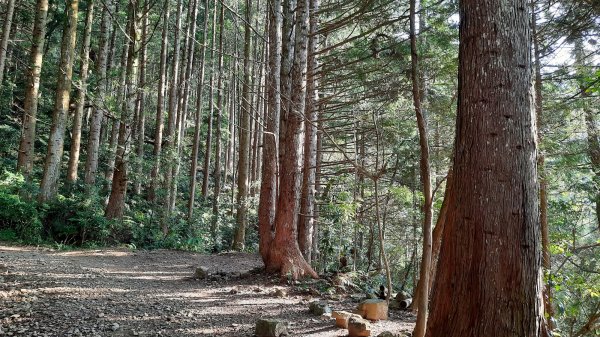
x=358, y=327
x=374, y=309
x=342, y=318
x=404, y=304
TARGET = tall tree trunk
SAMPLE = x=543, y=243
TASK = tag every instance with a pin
x=287, y=55
x=307, y=197
x=186, y=76
x=268, y=187
x=160, y=105
x=171, y=132
x=26, y=145
x=209, y=132
x=488, y=280
x=425, y=171
x=217, y=172
x=49, y=185
x=539, y=110
x=116, y=120
x=198, y=116
x=116, y=201
x=93, y=146
x=81, y=92
x=285, y=255
x=244, y=133
x=141, y=103
x=8, y=19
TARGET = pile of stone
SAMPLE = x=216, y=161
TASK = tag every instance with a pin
x=358, y=322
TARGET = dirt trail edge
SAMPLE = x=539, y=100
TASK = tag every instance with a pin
x=117, y=292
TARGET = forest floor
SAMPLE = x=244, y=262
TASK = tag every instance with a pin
x=118, y=292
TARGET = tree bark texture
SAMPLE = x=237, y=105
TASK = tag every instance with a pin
x=116, y=201
x=244, y=144
x=26, y=144
x=49, y=185
x=307, y=197
x=81, y=92
x=285, y=255
x=490, y=260
x=8, y=19
x=160, y=105
x=268, y=187
x=171, y=132
x=198, y=115
x=214, y=228
x=93, y=146
x=425, y=171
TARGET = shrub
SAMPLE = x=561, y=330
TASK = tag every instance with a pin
x=19, y=216
x=76, y=219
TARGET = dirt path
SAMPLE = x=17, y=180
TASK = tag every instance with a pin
x=116, y=292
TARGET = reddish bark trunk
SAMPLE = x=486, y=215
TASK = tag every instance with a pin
x=490, y=259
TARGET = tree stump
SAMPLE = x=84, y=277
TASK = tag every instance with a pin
x=373, y=309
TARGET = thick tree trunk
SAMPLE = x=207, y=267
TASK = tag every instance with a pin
x=285, y=255
x=116, y=201
x=425, y=170
x=490, y=261
x=268, y=186
x=26, y=145
x=8, y=19
x=49, y=185
x=160, y=105
x=93, y=146
x=244, y=134
x=81, y=92
x=307, y=197
x=198, y=116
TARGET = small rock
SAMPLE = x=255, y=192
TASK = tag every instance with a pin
x=319, y=308
x=358, y=327
x=271, y=328
x=401, y=296
x=201, y=272
x=233, y=291
x=280, y=293
x=387, y=334
x=342, y=317
x=257, y=290
x=115, y=327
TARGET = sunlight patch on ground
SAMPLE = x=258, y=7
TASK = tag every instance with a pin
x=111, y=253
